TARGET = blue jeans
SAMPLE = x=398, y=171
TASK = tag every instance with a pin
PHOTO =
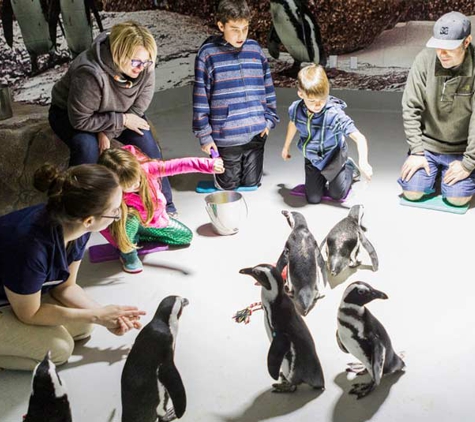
x=315, y=183
x=84, y=146
x=421, y=182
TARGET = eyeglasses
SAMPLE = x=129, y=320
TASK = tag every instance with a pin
x=139, y=63
x=114, y=217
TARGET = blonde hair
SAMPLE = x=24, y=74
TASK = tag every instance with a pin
x=128, y=169
x=124, y=40
x=313, y=82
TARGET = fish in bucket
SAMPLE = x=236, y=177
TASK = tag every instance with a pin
x=226, y=210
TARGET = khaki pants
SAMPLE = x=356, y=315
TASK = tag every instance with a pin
x=23, y=346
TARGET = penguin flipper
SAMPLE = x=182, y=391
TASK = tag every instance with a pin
x=54, y=10
x=377, y=362
x=171, y=379
x=283, y=260
x=278, y=349
x=371, y=251
x=340, y=344
x=273, y=43
x=92, y=6
x=323, y=267
x=7, y=22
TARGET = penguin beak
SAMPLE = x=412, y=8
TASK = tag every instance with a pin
x=376, y=294
x=185, y=301
x=249, y=271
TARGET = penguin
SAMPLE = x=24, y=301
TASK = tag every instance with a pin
x=294, y=26
x=150, y=377
x=292, y=353
x=362, y=335
x=304, y=261
x=49, y=399
x=343, y=242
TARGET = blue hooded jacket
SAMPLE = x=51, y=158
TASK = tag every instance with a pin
x=321, y=134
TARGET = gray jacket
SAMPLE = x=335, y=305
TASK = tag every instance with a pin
x=96, y=95
x=438, y=107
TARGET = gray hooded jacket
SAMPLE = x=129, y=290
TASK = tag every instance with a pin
x=96, y=95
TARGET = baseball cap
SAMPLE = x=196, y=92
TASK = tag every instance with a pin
x=449, y=31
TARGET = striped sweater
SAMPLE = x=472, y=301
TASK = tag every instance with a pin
x=233, y=94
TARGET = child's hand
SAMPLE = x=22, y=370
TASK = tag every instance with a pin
x=366, y=169
x=218, y=165
x=207, y=148
x=104, y=142
x=285, y=154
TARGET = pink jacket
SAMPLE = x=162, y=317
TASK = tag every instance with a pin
x=155, y=170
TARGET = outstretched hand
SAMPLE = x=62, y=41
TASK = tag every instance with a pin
x=119, y=319
x=218, y=165
x=285, y=154
x=412, y=164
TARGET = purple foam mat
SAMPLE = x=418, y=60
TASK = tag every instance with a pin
x=299, y=190
x=108, y=252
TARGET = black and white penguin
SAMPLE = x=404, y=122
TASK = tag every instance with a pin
x=343, y=242
x=150, y=377
x=362, y=335
x=306, y=269
x=295, y=27
x=292, y=353
x=49, y=399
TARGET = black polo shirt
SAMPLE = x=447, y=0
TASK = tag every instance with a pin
x=33, y=256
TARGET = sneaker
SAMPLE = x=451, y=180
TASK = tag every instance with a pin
x=173, y=214
x=131, y=262
x=356, y=171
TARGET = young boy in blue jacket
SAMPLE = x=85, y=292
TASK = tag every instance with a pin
x=323, y=126
x=234, y=104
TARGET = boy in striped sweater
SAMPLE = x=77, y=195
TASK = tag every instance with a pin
x=234, y=104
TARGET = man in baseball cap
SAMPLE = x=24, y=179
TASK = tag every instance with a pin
x=438, y=114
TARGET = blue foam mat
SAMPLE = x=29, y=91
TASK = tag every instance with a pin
x=434, y=203
x=207, y=186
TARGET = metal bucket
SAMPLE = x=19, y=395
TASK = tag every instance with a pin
x=5, y=103
x=226, y=209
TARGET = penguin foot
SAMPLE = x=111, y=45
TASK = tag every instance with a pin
x=361, y=390
x=354, y=264
x=356, y=368
x=170, y=416
x=284, y=387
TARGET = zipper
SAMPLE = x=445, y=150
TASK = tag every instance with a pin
x=309, y=119
x=445, y=84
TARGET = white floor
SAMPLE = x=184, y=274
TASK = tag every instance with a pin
x=424, y=268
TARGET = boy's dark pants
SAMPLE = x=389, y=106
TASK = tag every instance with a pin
x=315, y=183
x=84, y=146
x=243, y=164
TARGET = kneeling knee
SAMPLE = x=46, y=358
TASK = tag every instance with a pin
x=314, y=199
x=61, y=349
x=412, y=196
x=458, y=202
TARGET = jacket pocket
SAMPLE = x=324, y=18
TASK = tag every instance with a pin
x=244, y=118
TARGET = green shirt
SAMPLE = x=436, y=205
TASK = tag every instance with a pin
x=437, y=107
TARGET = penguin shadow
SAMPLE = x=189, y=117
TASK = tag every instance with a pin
x=335, y=281
x=206, y=230
x=290, y=200
x=349, y=409
x=91, y=355
x=269, y=405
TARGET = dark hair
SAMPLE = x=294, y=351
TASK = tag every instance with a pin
x=232, y=10
x=77, y=193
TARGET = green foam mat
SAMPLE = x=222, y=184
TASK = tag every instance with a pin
x=434, y=203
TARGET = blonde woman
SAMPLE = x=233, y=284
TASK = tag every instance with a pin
x=105, y=94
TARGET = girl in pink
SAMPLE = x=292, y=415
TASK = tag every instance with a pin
x=144, y=205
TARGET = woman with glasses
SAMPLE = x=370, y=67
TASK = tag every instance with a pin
x=41, y=247
x=105, y=94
